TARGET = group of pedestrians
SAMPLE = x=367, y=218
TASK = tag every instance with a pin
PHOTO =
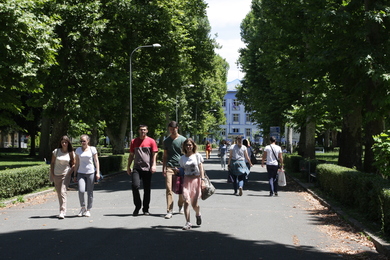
x=179, y=152
x=83, y=163
x=180, y=157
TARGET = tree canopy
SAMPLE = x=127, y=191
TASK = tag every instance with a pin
x=319, y=63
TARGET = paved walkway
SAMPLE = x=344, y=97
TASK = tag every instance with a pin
x=253, y=226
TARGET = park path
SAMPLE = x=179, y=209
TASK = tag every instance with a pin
x=253, y=226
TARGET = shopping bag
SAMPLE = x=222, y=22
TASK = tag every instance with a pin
x=281, y=178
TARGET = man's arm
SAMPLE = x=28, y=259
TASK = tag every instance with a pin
x=154, y=162
x=281, y=159
x=165, y=158
x=129, y=162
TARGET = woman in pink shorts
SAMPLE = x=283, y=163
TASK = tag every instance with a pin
x=192, y=162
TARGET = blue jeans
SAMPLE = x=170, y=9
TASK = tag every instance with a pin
x=273, y=178
x=146, y=177
x=238, y=181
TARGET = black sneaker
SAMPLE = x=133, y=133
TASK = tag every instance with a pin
x=135, y=212
x=276, y=194
x=198, y=220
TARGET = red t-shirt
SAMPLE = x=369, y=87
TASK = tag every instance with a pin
x=143, y=150
x=208, y=147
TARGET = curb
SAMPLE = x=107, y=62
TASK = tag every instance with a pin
x=381, y=246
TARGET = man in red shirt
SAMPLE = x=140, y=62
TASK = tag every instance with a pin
x=143, y=151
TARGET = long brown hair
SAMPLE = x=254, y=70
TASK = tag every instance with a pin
x=70, y=148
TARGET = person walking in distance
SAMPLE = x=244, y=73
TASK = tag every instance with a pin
x=171, y=157
x=237, y=167
x=143, y=152
x=208, y=149
x=222, y=153
x=274, y=156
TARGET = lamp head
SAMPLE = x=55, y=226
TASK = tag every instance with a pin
x=156, y=45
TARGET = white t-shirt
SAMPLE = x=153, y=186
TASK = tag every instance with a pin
x=86, y=160
x=271, y=160
x=191, y=164
x=61, y=165
x=238, y=153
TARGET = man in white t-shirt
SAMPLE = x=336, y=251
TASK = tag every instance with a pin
x=273, y=154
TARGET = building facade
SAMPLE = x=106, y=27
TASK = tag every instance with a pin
x=237, y=121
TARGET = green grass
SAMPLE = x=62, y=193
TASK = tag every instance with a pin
x=17, y=160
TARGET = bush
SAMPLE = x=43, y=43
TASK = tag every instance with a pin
x=291, y=162
x=20, y=181
x=366, y=192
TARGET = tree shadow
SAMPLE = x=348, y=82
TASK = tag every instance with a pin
x=156, y=242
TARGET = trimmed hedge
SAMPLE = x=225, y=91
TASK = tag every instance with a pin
x=20, y=181
x=368, y=193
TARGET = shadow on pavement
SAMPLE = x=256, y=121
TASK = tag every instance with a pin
x=156, y=242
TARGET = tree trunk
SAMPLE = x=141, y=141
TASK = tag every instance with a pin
x=334, y=137
x=289, y=133
x=94, y=138
x=351, y=140
x=302, y=142
x=44, y=145
x=327, y=140
x=117, y=136
x=59, y=129
x=32, y=141
x=310, y=151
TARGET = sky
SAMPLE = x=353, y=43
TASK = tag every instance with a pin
x=225, y=18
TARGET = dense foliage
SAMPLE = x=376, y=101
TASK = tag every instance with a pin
x=70, y=60
x=319, y=66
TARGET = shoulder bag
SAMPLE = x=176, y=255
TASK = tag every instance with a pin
x=209, y=188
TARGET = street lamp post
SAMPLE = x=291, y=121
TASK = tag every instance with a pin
x=156, y=45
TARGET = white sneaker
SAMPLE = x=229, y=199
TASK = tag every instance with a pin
x=88, y=213
x=181, y=210
x=187, y=226
x=61, y=216
x=82, y=212
x=169, y=215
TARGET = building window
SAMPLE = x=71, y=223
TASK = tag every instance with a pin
x=223, y=132
x=224, y=103
x=236, y=130
x=236, y=105
x=248, y=132
x=236, y=118
x=247, y=118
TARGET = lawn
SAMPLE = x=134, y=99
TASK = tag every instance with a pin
x=17, y=160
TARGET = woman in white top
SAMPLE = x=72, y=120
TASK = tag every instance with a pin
x=192, y=163
x=61, y=168
x=87, y=164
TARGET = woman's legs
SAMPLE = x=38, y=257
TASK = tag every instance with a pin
x=61, y=182
x=86, y=183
